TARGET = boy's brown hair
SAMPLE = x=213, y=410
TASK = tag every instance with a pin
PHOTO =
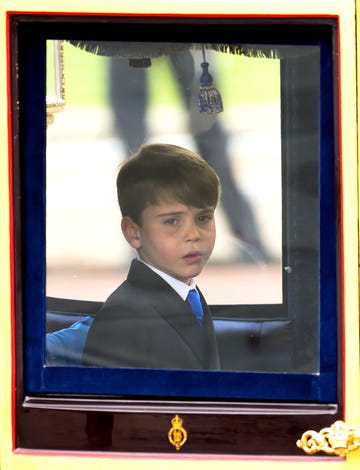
x=165, y=172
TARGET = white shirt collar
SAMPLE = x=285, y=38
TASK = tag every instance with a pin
x=180, y=287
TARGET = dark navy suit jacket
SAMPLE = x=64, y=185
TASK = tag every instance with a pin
x=145, y=323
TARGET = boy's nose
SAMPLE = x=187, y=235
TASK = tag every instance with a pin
x=192, y=232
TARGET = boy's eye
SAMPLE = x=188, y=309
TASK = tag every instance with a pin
x=170, y=221
x=204, y=218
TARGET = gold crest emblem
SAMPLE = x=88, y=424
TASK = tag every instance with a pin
x=177, y=435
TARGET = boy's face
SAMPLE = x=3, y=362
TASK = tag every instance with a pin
x=175, y=238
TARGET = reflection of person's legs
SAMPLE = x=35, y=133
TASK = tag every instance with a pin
x=129, y=99
x=128, y=95
x=211, y=141
x=184, y=71
x=212, y=146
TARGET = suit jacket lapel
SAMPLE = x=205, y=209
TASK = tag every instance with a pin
x=175, y=311
x=180, y=317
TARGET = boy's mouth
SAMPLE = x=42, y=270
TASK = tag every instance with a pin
x=193, y=257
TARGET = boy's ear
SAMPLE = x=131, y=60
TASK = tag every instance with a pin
x=131, y=232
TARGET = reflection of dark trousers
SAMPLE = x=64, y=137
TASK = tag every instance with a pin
x=129, y=98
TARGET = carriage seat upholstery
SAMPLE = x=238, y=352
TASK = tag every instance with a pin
x=243, y=345
x=64, y=346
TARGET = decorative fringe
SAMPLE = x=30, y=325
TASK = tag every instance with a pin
x=209, y=99
x=140, y=63
x=251, y=51
x=123, y=49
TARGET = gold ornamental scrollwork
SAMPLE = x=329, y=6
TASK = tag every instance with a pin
x=338, y=439
x=177, y=435
x=56, y=102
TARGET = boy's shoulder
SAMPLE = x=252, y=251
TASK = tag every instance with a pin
x=140, y=283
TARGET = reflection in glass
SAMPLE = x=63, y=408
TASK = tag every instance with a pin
x=262, y=279
x=112, y=108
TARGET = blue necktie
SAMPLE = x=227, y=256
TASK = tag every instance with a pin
x=193, y=299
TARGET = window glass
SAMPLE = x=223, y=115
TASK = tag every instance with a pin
x=114, y=104
x=112, y=107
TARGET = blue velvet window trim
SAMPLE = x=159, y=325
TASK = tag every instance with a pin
x=163, y=383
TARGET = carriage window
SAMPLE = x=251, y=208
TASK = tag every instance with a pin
x=113, y=106
x=116, y=103
x=257, y=102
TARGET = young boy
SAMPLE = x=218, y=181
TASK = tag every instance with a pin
x=167, y=197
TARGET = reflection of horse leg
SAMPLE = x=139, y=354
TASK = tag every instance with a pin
x=213, y=148
x=129, y=98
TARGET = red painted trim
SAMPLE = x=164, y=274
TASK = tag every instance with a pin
x=11, y=230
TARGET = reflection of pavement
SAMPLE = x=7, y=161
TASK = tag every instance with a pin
x=221, y=284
